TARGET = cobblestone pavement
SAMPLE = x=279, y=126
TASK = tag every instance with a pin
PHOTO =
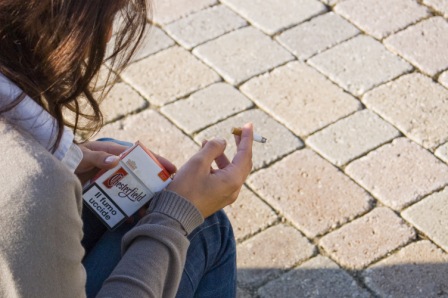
x=349, y=196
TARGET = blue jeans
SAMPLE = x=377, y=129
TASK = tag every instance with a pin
x=210, y=268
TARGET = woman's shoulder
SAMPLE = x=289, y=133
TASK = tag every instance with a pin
x=27, y=167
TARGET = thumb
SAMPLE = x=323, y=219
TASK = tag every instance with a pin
x=212, y=149
x=100, y=159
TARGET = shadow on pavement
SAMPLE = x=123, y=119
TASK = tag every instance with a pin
x=403, y=280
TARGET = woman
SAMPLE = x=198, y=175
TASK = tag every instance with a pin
x=50, y=53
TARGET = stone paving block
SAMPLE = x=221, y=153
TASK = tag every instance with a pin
x=359, y=64
x=400, y=173
x=204, y=25
x=295, y=94
x=330, y=2
x=167, y=11
x=249, y=214
x=242, y=293
x=156, y=133
x=422, y=44
x=280, y=141
x=206, y=107
x=153, y=41
x=168, y=75
x=271, y=17
x=317, y=35
x=418, y=270
x=381, y=18
x=431, y=217
x=443, y=79
x=241, y=54
x=260, y=259
x=415, y=105
x=439, y=5
x=121, y=101
x=318, y=277
x=442, y=152
x=310, y=192
x=351, y=137
x=367, y=239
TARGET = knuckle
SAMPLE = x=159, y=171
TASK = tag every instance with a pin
x=233, y=199
x=215, y=144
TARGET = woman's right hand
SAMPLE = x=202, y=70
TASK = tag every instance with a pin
x=210, y=190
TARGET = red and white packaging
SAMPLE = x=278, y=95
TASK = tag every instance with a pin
x=116, y=194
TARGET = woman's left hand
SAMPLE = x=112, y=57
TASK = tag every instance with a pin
x=97, y=156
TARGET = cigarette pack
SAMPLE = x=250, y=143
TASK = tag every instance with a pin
x=116, y=194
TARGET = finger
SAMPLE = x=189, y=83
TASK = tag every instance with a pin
x=100, y=159
x=222, y=161
x=168, y=165
x=109, y=147
x=212, y=150
x=237, y=139
x=243, y=156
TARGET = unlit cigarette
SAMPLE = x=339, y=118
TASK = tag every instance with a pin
x=257, y=138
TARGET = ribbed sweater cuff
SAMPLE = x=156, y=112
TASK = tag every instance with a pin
x=178, y=208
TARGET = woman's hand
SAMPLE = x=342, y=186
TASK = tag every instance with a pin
x=97, y=156
x=211, y=190
x=104, y=156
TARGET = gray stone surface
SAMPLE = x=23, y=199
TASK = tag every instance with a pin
x=442, y=152
x=367, y=239
x=418, y=270
x=121, y=101
x=431, y=217
x=440, y=6
x=206, y=107
x=178, y=74
x=242, y=293
x=204, y=25
x=167, y=11
x=400, y=173
x=241, y=54
x=443, y=79
x=249, y=215
x=359, y=64
x=295, y=93
x=280, y=141
x=322, y=32
x=351, y=137
x=414, y=104
x=381, y=18
x=312, y=194
x=318, y=277
x=422, y=44
x=156, y=133
x=260, y=259
x=153, y=41
x=271, y=17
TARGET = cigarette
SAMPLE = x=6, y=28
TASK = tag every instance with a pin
x=257, y=138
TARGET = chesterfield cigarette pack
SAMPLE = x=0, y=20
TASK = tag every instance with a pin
x=116, y=194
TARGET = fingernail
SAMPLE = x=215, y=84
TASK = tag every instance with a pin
x=111, y=159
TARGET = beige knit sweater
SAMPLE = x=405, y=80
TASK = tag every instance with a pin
x=41, y=231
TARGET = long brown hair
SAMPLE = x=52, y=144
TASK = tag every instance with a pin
x=53, y=50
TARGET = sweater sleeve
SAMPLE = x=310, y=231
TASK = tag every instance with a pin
x=154, y=251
